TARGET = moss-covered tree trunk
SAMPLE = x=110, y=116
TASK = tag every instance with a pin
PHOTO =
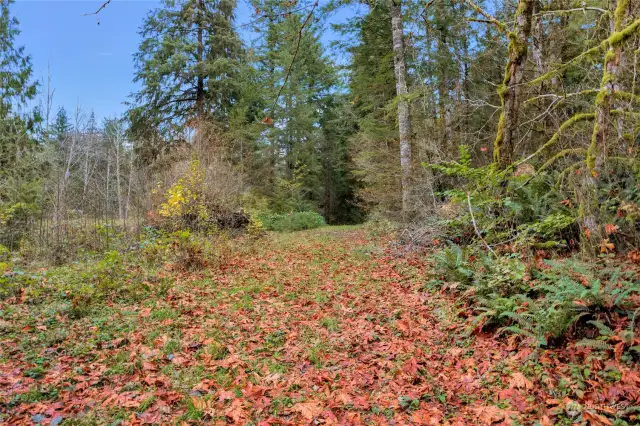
x=602, y=129
x=510, y=89
x=404, y=122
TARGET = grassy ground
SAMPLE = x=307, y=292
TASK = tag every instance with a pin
x=315, y=327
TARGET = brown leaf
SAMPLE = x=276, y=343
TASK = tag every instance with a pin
x=199, y=403
x=309, y=410
x=518, y=380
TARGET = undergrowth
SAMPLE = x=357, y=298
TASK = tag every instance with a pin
x=546, y=303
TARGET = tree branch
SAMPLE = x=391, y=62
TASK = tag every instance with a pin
x=295, y=54
x=490, y=18
x=105, y=4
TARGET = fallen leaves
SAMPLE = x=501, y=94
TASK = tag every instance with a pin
x=301, y=331
x=308, y=410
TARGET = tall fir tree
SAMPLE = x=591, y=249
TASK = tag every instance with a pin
x=189, y=64
x=297, y=79
x=372, y=88
x=19, y=174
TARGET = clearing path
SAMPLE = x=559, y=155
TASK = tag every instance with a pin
x=315, y=327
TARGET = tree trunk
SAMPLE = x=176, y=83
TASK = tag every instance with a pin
x=510, y=90
x=444, y=94
x=404, y=123
x=118, y=186
x=596, y=153
x=200, y=70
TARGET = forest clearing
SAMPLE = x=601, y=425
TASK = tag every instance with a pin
x=329, y=326
x=305, y=212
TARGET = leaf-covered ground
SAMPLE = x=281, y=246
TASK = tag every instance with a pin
x=317, y=327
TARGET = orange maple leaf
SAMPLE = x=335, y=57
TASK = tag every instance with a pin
x=309, y=410
x=610, y=229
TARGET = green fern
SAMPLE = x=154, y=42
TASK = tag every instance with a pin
x=602, y=328
x=594, y=344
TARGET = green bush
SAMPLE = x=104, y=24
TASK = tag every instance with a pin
x=504, y=276
x=295, y=221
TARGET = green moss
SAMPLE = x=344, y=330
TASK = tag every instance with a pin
x=627, y=96
x=561, y=154
x=615, y=39
x=620, y=13
x=563, y=127
x=497, y=144
x=592, y=152
x=622, y=35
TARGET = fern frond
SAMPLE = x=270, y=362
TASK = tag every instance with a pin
x=517, y=330
x=602, y=328
x=595, y=344
x=525, y=320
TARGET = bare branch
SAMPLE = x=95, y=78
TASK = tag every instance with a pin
x=105, y=4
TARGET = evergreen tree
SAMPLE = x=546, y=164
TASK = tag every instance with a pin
x=61, y=125
x=16, y=89
x=297, y=78
x=372, y=88
x=189, y=64
x=19, y=173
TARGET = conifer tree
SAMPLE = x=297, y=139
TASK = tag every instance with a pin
x=189, y=64
x=297, y=78
x=19, y=173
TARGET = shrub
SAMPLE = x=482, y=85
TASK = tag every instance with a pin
x=504, y=276
x=295, y=221
x=189, y=253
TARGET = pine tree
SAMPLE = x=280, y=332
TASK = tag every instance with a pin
x=61, y=125
x=374, y=146
x=295, y=96
x=189, y=64
x=19, y=171
x=16, y=89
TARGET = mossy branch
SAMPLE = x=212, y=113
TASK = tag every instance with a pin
x=633, y=114
x=625, y=160
x=577, y=9
x=559, y=155
x=565, y=96
x=490, y=18
x=552, y=160
x=585, y=116
x=614, y=39
x=626, y=96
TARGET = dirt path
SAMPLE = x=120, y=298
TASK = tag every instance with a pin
x=318, y=327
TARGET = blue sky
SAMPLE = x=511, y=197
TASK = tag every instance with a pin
x=91, y=65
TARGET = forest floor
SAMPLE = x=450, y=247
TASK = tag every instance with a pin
x=330, y=326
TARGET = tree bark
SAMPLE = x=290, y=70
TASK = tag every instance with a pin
x=404, y=123
x=509, y=91
x=597, y=151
